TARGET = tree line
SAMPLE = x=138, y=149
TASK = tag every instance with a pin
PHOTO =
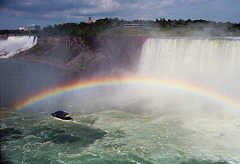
x=85, y=30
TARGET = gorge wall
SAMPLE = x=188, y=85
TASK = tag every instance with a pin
x=56, y=60
x=87, y=56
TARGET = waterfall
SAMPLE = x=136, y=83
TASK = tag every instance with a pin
x=209, y=62
x=16, y=44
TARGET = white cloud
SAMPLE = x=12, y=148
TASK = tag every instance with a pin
x=195, y=1
x=98, y=6
x=165, y=3
x=150, y=4
x=27, y=3
x=80, y=8
x=95, y=7
x=109, y=5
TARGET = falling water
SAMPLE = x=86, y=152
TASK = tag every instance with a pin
x=120, y=133
x=16, y=44
x=213, y=63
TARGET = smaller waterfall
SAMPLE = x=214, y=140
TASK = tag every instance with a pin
x=16, y=44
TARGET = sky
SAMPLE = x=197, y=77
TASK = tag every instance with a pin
x=16, y=13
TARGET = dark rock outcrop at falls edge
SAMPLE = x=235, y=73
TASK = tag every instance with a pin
x=87, y=56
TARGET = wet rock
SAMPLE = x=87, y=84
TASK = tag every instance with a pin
x=9, y=133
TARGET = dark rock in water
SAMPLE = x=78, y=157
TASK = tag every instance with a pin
x=61, y=115
x=9, y=132
x=68, y=133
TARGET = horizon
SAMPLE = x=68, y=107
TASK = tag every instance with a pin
x=144, y=20
x=15, y=14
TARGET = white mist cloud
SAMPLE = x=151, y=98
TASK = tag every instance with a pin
x=92, y=7
x=109, y=5
x=166, y=3
x=196, y=1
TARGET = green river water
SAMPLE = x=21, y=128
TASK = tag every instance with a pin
x=111, y=137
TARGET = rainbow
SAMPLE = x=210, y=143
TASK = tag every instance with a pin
x=98, y=82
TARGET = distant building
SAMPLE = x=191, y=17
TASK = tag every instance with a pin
x=23, y=28
x=32, y=27
x=89, y=20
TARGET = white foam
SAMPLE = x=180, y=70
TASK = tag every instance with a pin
x=16, y=44
x=210, y=63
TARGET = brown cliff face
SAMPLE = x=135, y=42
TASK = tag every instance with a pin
x=87, y=56
x=121, y=52
x=56, y=51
